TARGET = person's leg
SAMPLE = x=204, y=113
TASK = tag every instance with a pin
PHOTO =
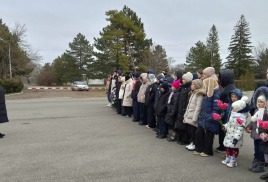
x=221, y=147
x=199, y=140
x=260, y=157
x=209, y=137
x=134, y=108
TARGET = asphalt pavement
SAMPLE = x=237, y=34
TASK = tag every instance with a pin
x=81, y=139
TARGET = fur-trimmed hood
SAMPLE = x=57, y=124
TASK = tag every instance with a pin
x=237, y=92
x=226, y=77
x=260, y=91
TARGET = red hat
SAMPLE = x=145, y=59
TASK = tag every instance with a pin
x=176, y=84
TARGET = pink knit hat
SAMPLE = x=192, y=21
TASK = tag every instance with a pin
x=176, y=84
x=209, y=71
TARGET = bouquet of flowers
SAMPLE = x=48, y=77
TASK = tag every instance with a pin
x=217, y=117
x=240, y=122
x=263, y=125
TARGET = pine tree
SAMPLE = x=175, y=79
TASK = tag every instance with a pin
x=240, y=58
x=198, y=57
x=82, y=51
x=122, y=44
x=213, y=48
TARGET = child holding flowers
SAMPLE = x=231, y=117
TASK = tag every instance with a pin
x=234, y=131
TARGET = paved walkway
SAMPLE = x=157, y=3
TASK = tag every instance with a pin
x=81, y=140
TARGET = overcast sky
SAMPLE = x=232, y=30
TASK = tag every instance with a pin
x=175, y=24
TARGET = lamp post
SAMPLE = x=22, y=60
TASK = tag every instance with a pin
x=9, y=57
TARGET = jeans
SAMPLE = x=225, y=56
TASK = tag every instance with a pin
x=258, y=154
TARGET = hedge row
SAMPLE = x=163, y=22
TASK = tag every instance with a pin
x=12, y=85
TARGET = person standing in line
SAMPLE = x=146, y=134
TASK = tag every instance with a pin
x=193, y=110
x=134, y=96
x=161, y=110
x=127, y=100
x=226, y=79
x=107, y=85
x=149, y=101
x=180, y=127
x=141, y=98
x=172, y=107
x=207, y=126
x=3, y=110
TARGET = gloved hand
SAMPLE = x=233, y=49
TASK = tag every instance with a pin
x=235, y=141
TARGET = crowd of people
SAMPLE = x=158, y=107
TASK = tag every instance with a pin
x=192, y=108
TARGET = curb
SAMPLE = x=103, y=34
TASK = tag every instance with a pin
x=61, y=88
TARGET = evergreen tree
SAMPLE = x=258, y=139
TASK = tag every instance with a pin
x=261, y=55
x=213, y=48
x=159, y=59
x=240, y=58
x=122, y=43
x=198, y=57
x=82, y=52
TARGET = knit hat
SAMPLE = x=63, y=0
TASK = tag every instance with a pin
x=187, y=76
x=209, y=85
x=151, y=77
x=165, y=86
x=144, y=77
x=137, y=74
x=151, y=71
x=241, y=105
x=197, y=83
x=262, y=98
x=176, y=84
x=209, y=71
x=195, y=76
x=127, y=77
x=160, y=76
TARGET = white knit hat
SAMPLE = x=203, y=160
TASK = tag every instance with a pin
x=240, y=104
x=262, y=98
x=187, y=76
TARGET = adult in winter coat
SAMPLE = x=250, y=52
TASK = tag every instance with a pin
x=160, y=111
x=127, y=100
x=226, y=79
x=134, y=96
x=120, y=80
x=180, y=127
x=172, y=107
x=141, y=98
x=3, y=110
x=193, y=110
x=207, y=127
x=121, y=94
x=149, y=101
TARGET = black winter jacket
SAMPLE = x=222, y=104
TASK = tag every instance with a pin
x=182, y=105
x=3, y=110
x=161, y=104
x=150, y=94
x=172, y=108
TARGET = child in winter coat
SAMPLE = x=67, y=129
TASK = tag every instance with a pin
x=259, y=99
x=193, y=110
x=207, y=127
x=234, y=131
x=172, y=106
x=180, y=127
x=161, y=109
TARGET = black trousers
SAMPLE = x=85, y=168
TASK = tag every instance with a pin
x=221, y=138
x=119, y=106
x=143, y=113
x=191, y=131
x=204, y=141
x=183, y=136
x=136, y=110
x=151, y=121
x=127, y=111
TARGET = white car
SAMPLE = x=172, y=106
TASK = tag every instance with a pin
x=79, y=85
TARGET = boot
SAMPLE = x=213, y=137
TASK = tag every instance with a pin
x=253, y=165
x=232, y=162
x=259, y=168
x=227, y=160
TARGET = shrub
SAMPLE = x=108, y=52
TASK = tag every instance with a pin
x=246, y=82
x=12, y=85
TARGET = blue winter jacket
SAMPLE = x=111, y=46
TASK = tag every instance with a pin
x=209, y=106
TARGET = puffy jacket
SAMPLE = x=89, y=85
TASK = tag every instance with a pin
x=182, y=105
x=127, y=100
x=208, y=107
x=193, y=108
x=172, y=108
x=150, y=94
x=161, y=104
x=143, y=87
x=234, y=130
